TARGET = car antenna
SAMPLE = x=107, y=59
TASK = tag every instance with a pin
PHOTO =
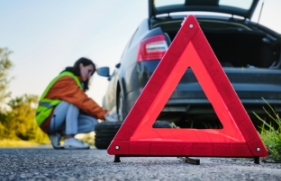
x=260, y=11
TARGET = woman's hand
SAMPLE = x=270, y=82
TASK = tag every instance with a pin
x=111, y=117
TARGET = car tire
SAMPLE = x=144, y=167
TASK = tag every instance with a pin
x=106, y=131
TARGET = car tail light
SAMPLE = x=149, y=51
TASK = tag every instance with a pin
x=152, y=48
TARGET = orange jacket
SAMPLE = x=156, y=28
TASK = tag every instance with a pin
x=66, y=89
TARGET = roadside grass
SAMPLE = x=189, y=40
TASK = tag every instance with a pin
x=271, y=133
x=17, y=143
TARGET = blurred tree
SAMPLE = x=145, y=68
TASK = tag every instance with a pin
x=17, y=117
x=22, y=119
x=5, y=66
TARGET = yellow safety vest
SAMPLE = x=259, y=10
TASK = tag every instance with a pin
x=45, y=105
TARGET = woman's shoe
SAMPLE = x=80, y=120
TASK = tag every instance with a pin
x=73, y=143
x=55, y=140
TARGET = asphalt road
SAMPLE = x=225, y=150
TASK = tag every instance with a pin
x=45, y=163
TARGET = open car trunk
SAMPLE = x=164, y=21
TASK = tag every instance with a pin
x=240, y=47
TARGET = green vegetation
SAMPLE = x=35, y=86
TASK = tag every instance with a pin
x=17, y=122
x=17, y=115
x=271, y=133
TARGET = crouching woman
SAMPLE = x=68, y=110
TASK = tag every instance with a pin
x=64, y=108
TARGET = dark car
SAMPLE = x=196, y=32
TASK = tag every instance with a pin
x=248, y=52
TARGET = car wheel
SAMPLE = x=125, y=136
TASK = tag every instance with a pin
x=105, y=132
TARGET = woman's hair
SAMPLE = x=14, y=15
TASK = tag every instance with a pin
x=75, y=69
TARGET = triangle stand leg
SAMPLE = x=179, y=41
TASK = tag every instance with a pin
x=117, y=158
x=257, y=160
x=190, y=160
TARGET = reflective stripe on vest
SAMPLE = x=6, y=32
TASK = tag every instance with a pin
x=45, y=105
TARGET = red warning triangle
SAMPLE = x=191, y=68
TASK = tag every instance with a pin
x=237, y=138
